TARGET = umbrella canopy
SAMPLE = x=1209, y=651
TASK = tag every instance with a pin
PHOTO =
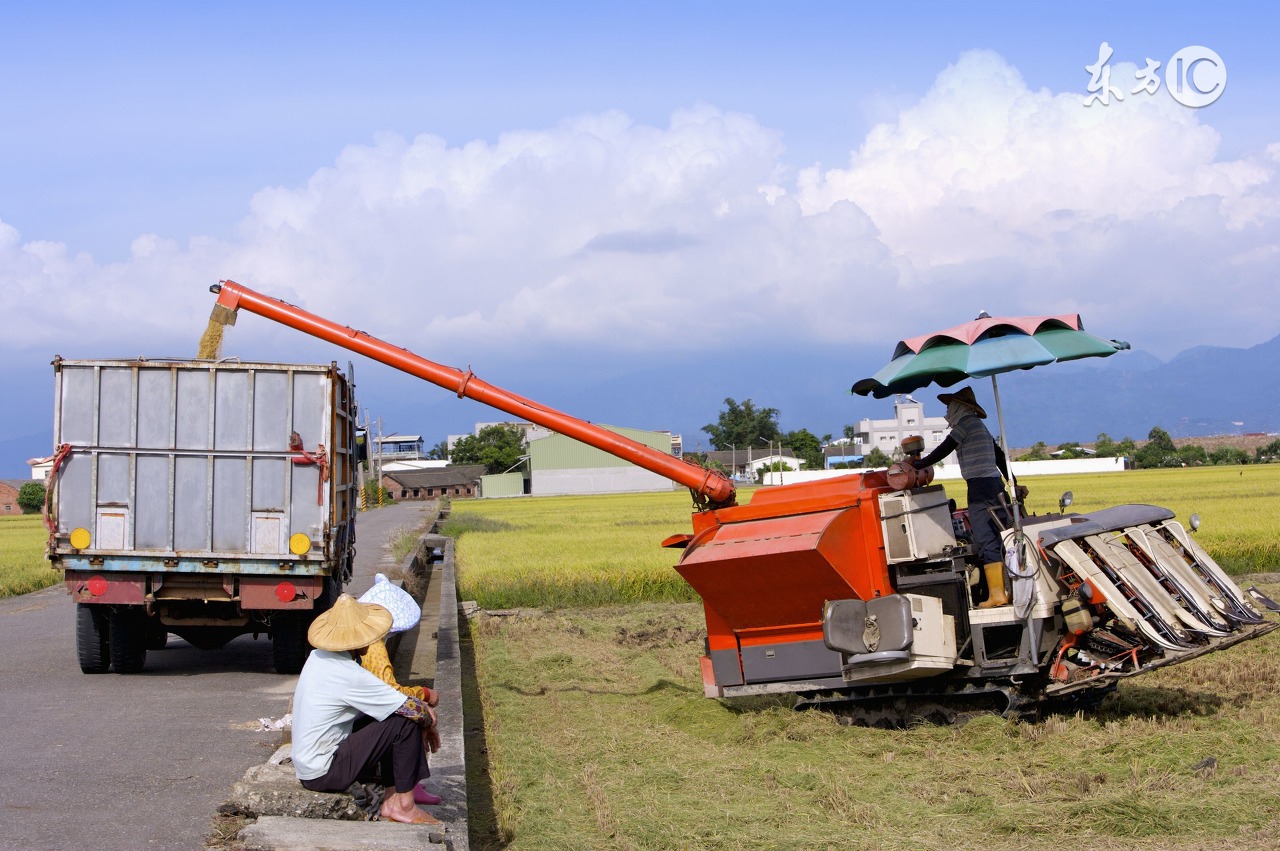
x=985, y=347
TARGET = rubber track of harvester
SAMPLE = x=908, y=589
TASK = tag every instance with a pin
x=898, y=705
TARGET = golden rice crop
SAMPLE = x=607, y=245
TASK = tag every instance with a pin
x=603, y=549
x=23, y=567
x=570, y=551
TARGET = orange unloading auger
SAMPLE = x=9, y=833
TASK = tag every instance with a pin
x=709, y=485
x=763, y=570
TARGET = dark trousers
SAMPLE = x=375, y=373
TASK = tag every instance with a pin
x=984, y=495
x=389, y=751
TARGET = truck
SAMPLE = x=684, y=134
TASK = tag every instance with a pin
x=207, y=499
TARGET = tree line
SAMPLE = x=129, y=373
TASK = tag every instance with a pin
x=1158, y=451
x=743, y=425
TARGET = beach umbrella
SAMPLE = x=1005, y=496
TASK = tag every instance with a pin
x=987, y=346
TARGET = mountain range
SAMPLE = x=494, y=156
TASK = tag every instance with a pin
x=1206, y=390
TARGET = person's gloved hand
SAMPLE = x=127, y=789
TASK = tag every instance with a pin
x=1021, y=492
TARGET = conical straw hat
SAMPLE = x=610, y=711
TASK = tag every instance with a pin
x=348, y=625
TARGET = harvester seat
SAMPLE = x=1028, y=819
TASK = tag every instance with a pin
x=868, y=632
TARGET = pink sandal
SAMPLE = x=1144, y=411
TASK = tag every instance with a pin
x=422, y=796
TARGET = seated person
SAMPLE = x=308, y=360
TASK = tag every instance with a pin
x=347, y=723
x=405, y=614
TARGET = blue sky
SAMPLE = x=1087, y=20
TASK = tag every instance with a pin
x=595, y=187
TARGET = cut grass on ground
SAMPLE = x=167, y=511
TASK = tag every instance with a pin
x=598, y=736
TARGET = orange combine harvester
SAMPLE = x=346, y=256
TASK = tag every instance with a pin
x=856, y=594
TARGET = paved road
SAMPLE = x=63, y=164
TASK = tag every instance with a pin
x=130, y=762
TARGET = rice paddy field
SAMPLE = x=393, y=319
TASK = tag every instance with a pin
x=600, y=550
x=596, y=733
x=23, y=567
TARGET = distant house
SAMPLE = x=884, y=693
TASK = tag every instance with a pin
x=560, y=465
x=746, y=463
x=399, y=447
x=40, y=468
x=840, y=452
x=531, y=431
x=9, y=495
x=459, y=482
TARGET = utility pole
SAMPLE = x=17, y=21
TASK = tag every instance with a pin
x=360, y=465
x=379, y=479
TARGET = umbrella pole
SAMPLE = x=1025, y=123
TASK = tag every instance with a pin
x=1008, y=459
x=1028, y=648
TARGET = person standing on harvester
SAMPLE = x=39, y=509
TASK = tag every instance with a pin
x=982, y=464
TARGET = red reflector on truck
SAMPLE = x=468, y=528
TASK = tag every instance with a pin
x=97, y=585
x=286, y=592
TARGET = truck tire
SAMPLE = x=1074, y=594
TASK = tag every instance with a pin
x=157, y=637
x=289, y=642
x=93, y=647
x=128, y=640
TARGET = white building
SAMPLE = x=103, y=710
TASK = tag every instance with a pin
x=398, y=447
x=908, y=420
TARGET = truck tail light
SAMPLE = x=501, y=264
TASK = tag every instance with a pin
x=286, y=592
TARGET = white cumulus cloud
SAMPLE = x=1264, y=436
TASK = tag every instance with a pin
x=602, y=232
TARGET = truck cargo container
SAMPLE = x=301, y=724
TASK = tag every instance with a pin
x=200, y=498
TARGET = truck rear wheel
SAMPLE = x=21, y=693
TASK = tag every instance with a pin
x=289, y=642
x=128, y=640
x=92, y=639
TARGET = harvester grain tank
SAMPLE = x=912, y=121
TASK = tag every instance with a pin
x=855, y=593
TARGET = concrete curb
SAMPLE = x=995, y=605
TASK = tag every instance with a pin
x=427, y=655
x=441, y=652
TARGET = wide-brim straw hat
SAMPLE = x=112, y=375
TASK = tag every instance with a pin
x=349, y=625
x=965, y=397
x=405, y=611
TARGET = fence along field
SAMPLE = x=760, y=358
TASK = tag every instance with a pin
x=594, y=550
